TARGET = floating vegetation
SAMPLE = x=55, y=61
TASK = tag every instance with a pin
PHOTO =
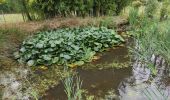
x=114, y=64
x=77, y=45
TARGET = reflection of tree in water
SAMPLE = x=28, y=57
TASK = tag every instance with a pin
x=142, y=85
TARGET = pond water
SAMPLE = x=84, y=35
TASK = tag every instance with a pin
x=98, y=82
x=133, y=83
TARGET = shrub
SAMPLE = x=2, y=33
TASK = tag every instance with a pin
x=66, y=46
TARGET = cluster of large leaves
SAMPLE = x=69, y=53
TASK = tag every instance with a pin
x=66, y=46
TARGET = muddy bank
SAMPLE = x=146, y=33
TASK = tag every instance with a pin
x=13, y=85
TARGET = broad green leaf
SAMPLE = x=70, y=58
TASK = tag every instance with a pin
x=39, y=45
x=67, y=45
x=30, y=63
x=56, y=59
x=67, y=57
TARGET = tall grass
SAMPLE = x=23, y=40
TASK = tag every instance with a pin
x=154, y=40
x=133, y=17
x=151, y=37
x=73, y=87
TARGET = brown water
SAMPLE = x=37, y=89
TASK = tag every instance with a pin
x=132, y=83
x=98, y=82
x=142, y=85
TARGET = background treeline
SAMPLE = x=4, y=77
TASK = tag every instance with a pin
x=80, y=7
x=44, y=9
x=8, y=6
x=49, y=8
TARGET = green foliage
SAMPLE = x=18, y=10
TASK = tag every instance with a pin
x=73, y=89
x=164, y=10
x=121, y=4
x=146, y=39
x=11, y=6
x=66, y=45
x=107, y=22
x=151, y=8
x=83, y=8
x=17, y=6
x=38, y=9
x=5, y=8
x=151, y=37
x=133, y=17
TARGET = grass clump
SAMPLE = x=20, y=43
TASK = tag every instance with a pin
x=73, y=89
x=151, y=38
x=68, y=45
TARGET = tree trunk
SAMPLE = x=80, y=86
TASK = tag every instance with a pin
x=24, y=3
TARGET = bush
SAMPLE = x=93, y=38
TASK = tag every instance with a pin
x=66, y=46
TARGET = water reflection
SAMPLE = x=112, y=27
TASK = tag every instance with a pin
x=142, y=85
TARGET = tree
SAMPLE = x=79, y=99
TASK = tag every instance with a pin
x=121, y=4
x=51, y=8
x=25, y=10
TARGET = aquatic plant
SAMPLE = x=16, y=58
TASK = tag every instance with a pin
x=68, y=45
x=114, y=64
x=73, y=89
x=151, y=37
x=154, y=40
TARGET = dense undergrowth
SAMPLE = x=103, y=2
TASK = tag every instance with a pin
x=153, y=39
x=151, y=36
x=72, y=46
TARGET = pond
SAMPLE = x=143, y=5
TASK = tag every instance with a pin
x=135, y=82
x=122, y=81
